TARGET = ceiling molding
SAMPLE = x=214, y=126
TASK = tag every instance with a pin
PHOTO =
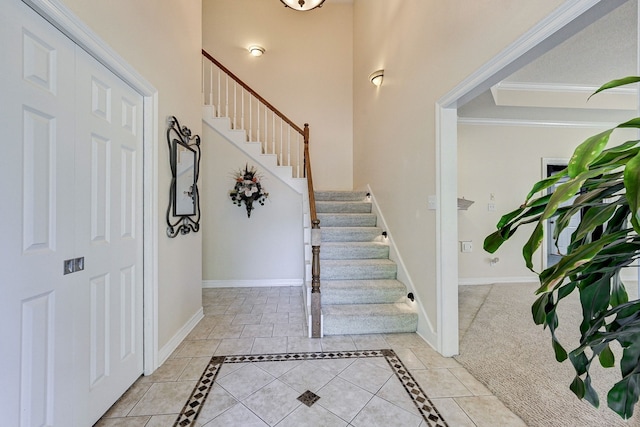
x=472, y=121
x=546, y=95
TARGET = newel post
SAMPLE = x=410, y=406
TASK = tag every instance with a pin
x=316, y=304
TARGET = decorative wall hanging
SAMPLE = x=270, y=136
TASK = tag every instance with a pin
x=183, y=212
x=248, y=188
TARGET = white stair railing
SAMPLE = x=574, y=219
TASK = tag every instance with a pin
x=247, y=110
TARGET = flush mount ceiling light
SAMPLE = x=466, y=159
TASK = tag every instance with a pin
x=376, y=77
x=256, y=50
x=302, y=4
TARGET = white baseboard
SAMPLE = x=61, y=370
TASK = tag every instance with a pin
x=492, y=280
x=175, y=341
x=262, y=283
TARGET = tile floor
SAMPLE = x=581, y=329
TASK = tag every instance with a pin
x=353, y=390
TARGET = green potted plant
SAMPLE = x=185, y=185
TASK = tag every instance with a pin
x=606, y=185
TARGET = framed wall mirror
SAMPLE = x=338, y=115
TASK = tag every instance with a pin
x=183, y=212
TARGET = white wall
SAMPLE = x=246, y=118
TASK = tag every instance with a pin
x=266, y=248
x=306, y=72
x=506, y=161
x=162, y=40
x=425, y=48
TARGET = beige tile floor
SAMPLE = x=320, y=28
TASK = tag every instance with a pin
x=353, y=391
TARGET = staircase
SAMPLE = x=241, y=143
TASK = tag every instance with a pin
x=360, y=293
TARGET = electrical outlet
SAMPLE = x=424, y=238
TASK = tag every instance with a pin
x=466, y=246
x=432, y=203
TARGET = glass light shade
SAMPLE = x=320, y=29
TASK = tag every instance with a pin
x=376, y=77
x=256, y=50
x=303, y=4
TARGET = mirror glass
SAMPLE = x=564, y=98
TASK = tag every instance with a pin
x=185, y=161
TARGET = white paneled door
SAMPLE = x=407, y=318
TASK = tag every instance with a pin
x=71, y=185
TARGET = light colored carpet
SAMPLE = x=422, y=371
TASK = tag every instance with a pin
x=502, y=347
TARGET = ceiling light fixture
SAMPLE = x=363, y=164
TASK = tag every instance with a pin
x=302, y=5
x=256, y=50
x=376, y=77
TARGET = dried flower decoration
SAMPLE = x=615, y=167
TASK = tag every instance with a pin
x=248, y=188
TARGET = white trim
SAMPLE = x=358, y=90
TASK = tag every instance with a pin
x=568, y=19
x=473, y=121
x=471, y=281
x=179, y=336
x=546, y=161
x=425, y=327
x=260, y=283
x=557, y=87
x=64, y=20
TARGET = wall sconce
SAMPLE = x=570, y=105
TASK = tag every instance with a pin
x=302, y=5
x=385, y=236
x=256, y=50
x=376, y=77
x=411, y=297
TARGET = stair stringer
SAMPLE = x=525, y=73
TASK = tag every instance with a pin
x=238, y=137
x=425, y=328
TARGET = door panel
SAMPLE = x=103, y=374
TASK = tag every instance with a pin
x=71, y=180
x=109, y=220
x=36, y=182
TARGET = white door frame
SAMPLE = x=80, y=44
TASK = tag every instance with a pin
x=64, y=20
x=567, y=20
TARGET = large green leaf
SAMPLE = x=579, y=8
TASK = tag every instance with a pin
x=632, y=185
x=617, y=83
x=623, y=397
x=607, y=359
x=587, y=152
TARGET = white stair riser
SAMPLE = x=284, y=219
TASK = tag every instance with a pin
x=341, y=195
x=347, y=220
x=347, y=251
x=350, y=234
x=335, y=272
x=346, y=325
x=343, y=207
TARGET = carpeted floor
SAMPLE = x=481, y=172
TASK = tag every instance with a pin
x=502, y=347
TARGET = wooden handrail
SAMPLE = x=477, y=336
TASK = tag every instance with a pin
x=252, y=92
x=316, y=304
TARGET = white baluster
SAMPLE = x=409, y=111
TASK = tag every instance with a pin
x=266, y=130
x=281, y=138
x=242, y=108
x=219, y=109
x=288, y=145
x=235, y=105
x=273, y=129
x=250, y=123
x=258, y=126
x=227, y=96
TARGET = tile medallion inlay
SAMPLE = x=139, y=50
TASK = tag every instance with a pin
x=194, y=404
x=308, y=398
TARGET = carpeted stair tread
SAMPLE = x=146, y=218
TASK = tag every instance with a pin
x=343, y=207
x=347, y=219
x=350, y=234
x=359, y=286
x=339, y=269
x=340, y=195
x=354, y=250
x=368, y=318
x=363, y=292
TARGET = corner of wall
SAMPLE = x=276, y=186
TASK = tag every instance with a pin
x=425, y=327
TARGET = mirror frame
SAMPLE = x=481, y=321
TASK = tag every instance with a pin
x=179, y=137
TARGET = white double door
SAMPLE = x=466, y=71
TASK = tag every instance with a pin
x=71, y=186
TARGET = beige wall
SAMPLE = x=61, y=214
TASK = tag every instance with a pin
x=505, y=161
x=306, y=72
x=426, y=48
x=268, y=247
x=161, y=39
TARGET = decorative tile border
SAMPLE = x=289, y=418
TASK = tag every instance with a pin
x=194, y=404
